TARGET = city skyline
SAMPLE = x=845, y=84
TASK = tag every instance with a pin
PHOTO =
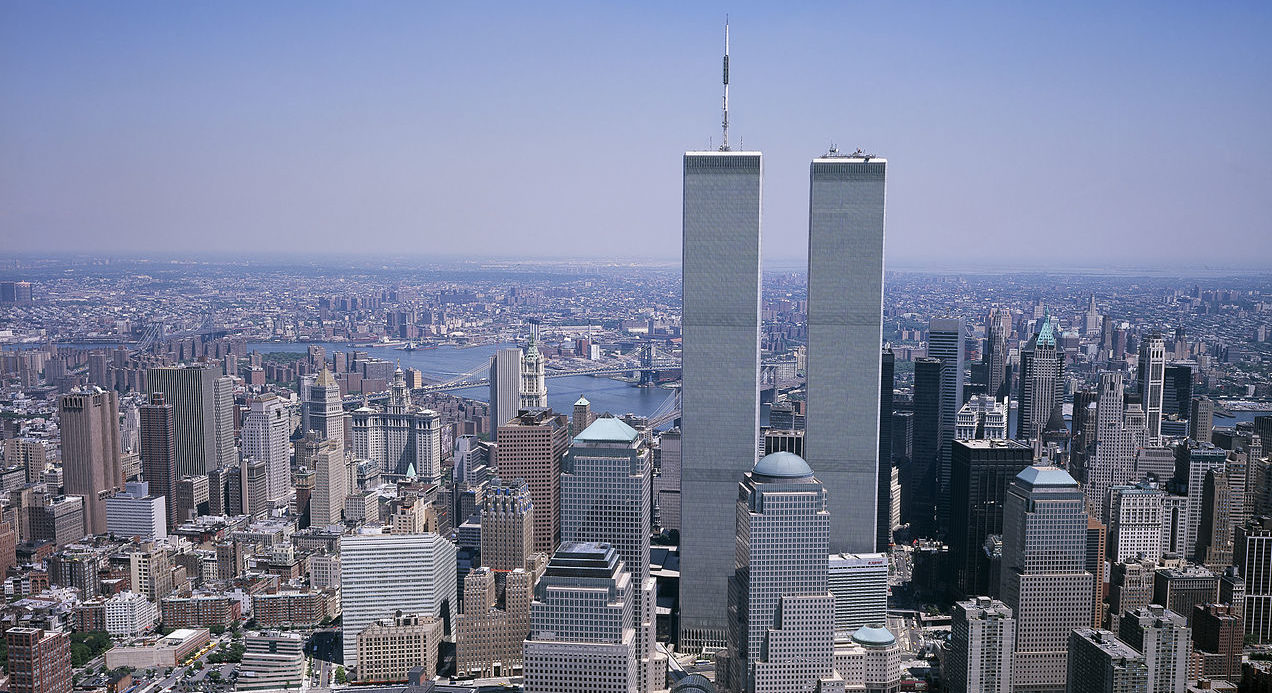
x=293, y=146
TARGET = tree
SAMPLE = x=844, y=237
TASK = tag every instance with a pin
x=342, y=677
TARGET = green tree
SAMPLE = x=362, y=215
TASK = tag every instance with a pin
x=342, y=677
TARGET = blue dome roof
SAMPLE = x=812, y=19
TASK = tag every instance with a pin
x=783, y=465
x=874, y=635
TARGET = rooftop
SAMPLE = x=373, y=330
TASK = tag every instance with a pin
x=874, y=635
x=782, y=465
x=1046, y=476
x=607, y=430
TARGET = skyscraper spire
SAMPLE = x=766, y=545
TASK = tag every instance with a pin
x=724, y=142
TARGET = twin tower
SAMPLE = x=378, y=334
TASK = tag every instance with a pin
x=721, y=360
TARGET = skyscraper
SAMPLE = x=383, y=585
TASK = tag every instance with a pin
x=918, y=505
x=1041, y=381
x=1044, y=576
x=1162, y=636
x=780, y=608
x=1201, y=421
x=982, y=645
x=331, y=478
x=323, y=408
x=507, y=525
x=582, y=633
x=534, y=388
x=845, y=329
x=1152, y=379
x=1119, y=433
x=605, y=497
x=384, y=573
x=945, y=342
x=720, y=363
x=505, y=386
x=859, y=582
x=982, y=472
x=997, y=326
x=1177, y=390
x=91, y=462
x=401, y=437
x=266, y=431
x=531, y=445
x=1098, y=661
x=885, y=468
x=159, y=451
x=203, y=414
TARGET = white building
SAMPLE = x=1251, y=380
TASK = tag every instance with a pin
x=1044, y=578
x=982, y=418
x=129, y=614
x=982, y=645
x=401, y=437
x=582, y=624
x=1164, y=638
x=605, y=497
x=783, y=538
x=133, y=512
x=1135, y=521
x=272, y=661
x=266, y=434
x=381, y=574
x=331, y=478
x=323, y=408
x=534, y=388
x=859, y=582
x=505, y=386
x=1152, y=380
x=324, y=570
x=870, y=660
x=1119, y=433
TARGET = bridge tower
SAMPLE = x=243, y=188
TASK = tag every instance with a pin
x=647, y=356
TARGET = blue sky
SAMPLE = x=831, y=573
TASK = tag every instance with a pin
x=1024, y=134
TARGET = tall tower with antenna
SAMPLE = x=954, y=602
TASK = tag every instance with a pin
x=724, y=141
x=720, y=366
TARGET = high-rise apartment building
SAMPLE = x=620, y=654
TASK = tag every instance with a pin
x=39, y=661
x=266, y=436
x=859, y=582
x=720, y=383
x=945, y=342
x=91, y=462
x=390, y=647
x=582, y=624
x=1041, y=380
x=780, y=607
x=605, y=498
x=150, y=572
x=1152, y=380
x=381, y=574
x=845, y=329
x=982, y=645
x=1098, y=661
x=203, y=416
x=324, y=410
x=507, y=525
x=326, y=458
x=1192, y=461
x=1044, y=576
x=159, y=451
x=1162, y=636
x=402, y=438
x=1130, y=588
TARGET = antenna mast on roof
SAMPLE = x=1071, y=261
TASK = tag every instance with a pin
x=724, y=145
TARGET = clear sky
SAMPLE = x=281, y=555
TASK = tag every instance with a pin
x=1017, y=133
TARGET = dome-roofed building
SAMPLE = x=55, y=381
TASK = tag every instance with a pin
x=870, y=659
x=782, y=466
x=693, y=683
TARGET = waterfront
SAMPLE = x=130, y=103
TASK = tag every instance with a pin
x=446, y=362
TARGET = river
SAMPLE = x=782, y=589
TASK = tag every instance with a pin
x=445, y=362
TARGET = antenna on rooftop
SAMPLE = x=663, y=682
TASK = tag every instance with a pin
x=724, y=144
